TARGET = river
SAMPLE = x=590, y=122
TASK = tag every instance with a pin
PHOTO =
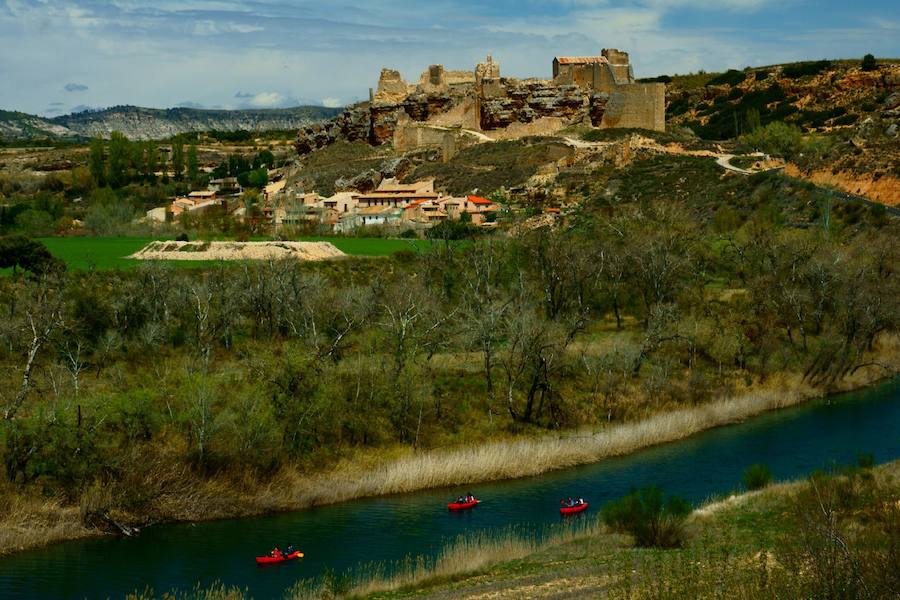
x=792, y=442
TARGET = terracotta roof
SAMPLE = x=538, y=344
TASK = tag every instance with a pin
x=479, y=200
x=581, y=60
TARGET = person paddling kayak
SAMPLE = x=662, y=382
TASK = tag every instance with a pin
x=464, y=502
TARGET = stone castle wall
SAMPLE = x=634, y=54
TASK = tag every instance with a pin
x=636, y=105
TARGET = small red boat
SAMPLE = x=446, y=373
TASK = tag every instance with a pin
x=271, y=560
x=570, y=510
x=463, y=505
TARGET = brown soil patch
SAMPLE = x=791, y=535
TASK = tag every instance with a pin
x=884, y=189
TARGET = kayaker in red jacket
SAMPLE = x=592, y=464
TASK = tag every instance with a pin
x=276, y=553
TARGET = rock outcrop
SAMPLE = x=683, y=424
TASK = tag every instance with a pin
x=524, y=102
x=351, y=125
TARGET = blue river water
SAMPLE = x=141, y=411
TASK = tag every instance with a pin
x=792, y=442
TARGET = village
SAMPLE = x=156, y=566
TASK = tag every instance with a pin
x=392, y=205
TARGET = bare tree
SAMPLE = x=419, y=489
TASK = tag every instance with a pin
x=43, y=317
x=74, y=351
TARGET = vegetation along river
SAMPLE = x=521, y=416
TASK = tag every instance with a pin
x=792, y=442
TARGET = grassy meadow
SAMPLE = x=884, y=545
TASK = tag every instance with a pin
x=105, y=253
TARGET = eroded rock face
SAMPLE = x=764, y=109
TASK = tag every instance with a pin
x=351, y=125
x=598, y=108
x=528, y=101
x=384, y=119
x=364, y=182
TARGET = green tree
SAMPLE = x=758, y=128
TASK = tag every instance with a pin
x=151, y=162
x=193, y=165
x=178, y=158
x=257, y=179
x=18, y=251
x=119, y=157
x=868, y=63
x=97, y=163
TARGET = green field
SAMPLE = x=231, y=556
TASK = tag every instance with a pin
x=85, y=253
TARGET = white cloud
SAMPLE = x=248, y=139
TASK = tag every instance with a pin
x=266, y=100
x=332, y=102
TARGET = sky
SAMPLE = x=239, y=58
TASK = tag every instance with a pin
x=60, y=57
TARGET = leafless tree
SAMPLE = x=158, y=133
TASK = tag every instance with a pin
x=43, y=316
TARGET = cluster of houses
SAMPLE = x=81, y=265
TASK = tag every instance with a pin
x=414, y=206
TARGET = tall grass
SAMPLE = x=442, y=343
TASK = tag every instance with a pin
x=28, y=521
x=527, y=457
x=465, y=555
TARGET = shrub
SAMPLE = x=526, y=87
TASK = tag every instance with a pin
x=804, y=69
x=866, y=460
x=182, y=237
x=653, y=520
x=757, y=476
x=778, y=138
x=868, y=63
x=729, y=77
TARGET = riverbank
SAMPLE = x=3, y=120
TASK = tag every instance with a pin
x=757, y=538
x=35, y=521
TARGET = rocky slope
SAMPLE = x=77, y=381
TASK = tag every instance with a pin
x=858, y=112
x=22, y=126
x=150, y=123
x=817, y=96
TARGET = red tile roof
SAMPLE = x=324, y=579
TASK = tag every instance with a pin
x=581, y=60
x=479, y=200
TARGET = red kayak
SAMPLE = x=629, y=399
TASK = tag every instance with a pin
x=271, y=560
x=463, y=505
x=571, y=510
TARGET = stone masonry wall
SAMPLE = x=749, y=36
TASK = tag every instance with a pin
x=639, y=105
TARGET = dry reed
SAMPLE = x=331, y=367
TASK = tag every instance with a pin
x=465, y=555
x=527, y=457
x=27, y=521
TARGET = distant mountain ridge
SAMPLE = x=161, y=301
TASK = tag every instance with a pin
x=141, y=123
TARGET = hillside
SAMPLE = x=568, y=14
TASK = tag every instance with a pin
x=22, y=126
x=152, y=123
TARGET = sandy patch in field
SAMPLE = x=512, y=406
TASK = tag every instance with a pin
x=237, y=251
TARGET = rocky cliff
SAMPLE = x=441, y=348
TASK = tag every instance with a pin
x=150, y=123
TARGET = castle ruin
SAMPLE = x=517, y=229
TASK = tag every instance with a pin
x=598, y=91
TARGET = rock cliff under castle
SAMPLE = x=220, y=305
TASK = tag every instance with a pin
x=599, y=91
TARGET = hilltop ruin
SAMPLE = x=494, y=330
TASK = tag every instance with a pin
x=598, y=91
